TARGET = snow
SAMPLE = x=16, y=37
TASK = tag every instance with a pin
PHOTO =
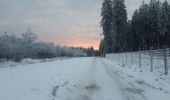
x=81, y=79
x=153, y=85
x=43, y=81
x=4, y=63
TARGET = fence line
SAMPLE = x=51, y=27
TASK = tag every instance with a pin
x=154, y=58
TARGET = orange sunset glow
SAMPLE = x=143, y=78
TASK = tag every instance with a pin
x=78, y=42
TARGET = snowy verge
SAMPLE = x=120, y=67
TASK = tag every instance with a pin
x=152, y=85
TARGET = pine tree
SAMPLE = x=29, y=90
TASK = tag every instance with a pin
x=164, y=23
x=142, y=26
x=153, y=17
x=101, y=47
x=134, y=36
x=150, y=26
x=106, y=24
x=168, y=26
x=119, y=26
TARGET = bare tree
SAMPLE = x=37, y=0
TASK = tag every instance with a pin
x=29, y=38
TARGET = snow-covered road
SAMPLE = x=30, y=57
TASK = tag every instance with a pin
x=70, y=79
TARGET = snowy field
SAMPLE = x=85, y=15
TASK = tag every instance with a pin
x=81, y=79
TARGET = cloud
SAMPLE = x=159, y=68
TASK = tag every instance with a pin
x=56, y=19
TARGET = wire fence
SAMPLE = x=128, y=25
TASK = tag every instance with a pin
x=151, y=59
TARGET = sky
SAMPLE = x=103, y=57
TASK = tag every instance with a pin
x=66, y=22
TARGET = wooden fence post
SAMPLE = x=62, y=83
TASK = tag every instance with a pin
x=140, y=59
x=151, y=57
x=165, y=60
x=126, y=58
x=131, y=56
x=122, y=59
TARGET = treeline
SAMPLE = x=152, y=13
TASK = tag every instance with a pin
x=149, y=27
x=14, y=48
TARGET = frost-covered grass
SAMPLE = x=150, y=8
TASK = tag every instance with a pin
x=5, y=63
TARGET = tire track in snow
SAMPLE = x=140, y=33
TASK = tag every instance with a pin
x=81, y=89
x=109, y=88
x=88, y=89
